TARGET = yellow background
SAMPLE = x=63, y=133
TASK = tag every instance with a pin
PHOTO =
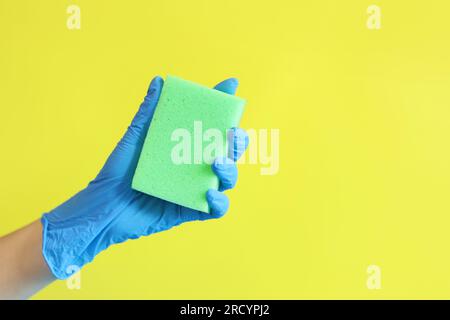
x=364, y=119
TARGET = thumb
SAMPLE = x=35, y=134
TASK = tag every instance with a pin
x=125, y=156
x=137, y=129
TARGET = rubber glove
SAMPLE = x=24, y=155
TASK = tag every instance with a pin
x=108, y=211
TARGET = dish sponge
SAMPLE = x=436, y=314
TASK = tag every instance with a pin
x=188, y=130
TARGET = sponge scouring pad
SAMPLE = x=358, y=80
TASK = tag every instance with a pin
x=183, y=108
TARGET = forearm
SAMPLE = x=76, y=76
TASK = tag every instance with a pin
x=23, y=270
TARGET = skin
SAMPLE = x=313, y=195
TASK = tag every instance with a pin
x=23, y=271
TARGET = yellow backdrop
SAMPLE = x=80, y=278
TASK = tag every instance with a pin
x=364, y=120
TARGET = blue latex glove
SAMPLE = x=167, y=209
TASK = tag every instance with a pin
x=108, y=211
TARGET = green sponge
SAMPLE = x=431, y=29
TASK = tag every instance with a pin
x=185, y=135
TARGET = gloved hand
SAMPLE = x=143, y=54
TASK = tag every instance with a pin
x=108, y=211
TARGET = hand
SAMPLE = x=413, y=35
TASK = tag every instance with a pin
x=108, y=211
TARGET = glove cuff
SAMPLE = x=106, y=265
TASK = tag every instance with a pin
x=49, y=254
